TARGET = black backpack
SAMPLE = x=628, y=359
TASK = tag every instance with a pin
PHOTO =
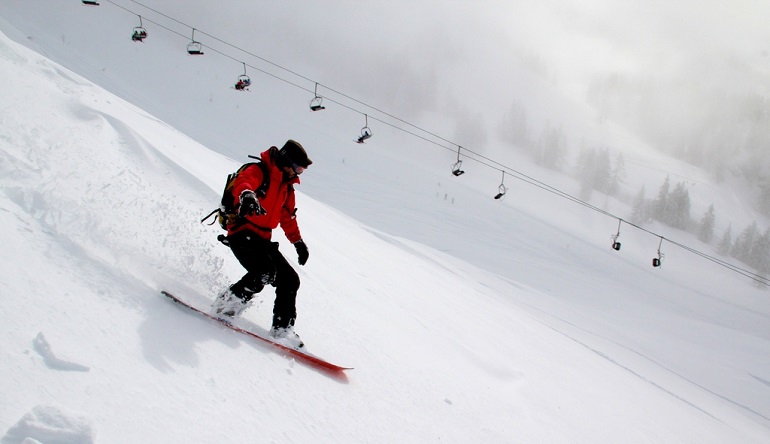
x=227, y=211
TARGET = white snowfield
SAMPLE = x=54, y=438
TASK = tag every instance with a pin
x=467, y=320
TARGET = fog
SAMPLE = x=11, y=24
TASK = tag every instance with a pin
x=689, y=79
x=465, y=45
x=465, y=63
x=457, y=67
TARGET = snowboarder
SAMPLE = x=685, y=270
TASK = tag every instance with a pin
x=264, y=198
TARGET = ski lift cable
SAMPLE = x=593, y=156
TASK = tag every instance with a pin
x=338, y=102
x=697, y=252
x=299, y=75
x=452, y=144
x=275, y=76
x=218, y=39
x=730, y=266
x=469, y=154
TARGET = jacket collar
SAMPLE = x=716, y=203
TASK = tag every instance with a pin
x=268, y=156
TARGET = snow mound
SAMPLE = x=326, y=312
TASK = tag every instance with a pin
x=49, y=424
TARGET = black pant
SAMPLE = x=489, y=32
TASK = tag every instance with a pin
x=261, y=257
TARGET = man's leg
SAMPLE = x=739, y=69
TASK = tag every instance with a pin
x=253, y=252
x=286, y=286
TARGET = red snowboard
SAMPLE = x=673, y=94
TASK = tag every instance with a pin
x=304, y=357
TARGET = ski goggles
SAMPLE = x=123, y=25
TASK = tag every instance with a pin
x=297, y=168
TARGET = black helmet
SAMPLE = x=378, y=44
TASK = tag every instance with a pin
x=294, y=153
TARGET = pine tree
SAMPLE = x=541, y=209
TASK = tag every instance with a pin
x=726, y=244
x=518, y=130
x=678, y=208
x=764, y=196
x=706, y=226
x=641, y=210
x=552, y=148
x=618, y=175
x=602, y=170
x=585, y=171
x=744, y=242
x=760, y=253
x=660, y=204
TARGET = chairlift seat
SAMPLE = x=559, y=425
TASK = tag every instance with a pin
x=139, y=34
x=365, y=134
x=90, y=2
x=456, y=168
x=501, y=190
x=316, y=104
x=195, y=48
x=243, y=82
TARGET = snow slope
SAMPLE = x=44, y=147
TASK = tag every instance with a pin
x=549, y=336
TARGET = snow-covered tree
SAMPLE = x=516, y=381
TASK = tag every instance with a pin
x=744, y=243
x=678, y=209
x=672, y=207
x=617, y=175
x=660, y=204
x=594, y=171
x=760, y=253
x=551, y=148
x=706, y=225
x=516, y=129
x=764, y=196
x=726, y=243
x=641, y=209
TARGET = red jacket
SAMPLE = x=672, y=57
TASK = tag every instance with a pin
x=278, y=200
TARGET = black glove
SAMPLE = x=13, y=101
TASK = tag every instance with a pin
x=249, y=204
x=302, y=253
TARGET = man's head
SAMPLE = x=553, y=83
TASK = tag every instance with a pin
x=294, y=156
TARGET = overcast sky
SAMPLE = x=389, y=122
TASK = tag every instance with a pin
x=573, y=38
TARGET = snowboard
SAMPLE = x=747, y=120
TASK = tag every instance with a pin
x=302, y=356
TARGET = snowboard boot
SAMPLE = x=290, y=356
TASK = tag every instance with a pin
x=287, y=336
x=230, y=305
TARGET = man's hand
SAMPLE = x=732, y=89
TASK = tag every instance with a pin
x=302, y=252
x=250, y=205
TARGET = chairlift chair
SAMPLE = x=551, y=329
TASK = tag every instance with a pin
x=456, y=167
x=656, y=261
x=244, y=81
x=365, y=134
x=90, y=3
x=139, y=34
x=316, y=103
x=365, y=131
x=501, y=190
x=615, y=243
x=194, y=48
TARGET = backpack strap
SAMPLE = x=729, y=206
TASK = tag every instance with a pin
x=216, y=210
x=262, y=190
